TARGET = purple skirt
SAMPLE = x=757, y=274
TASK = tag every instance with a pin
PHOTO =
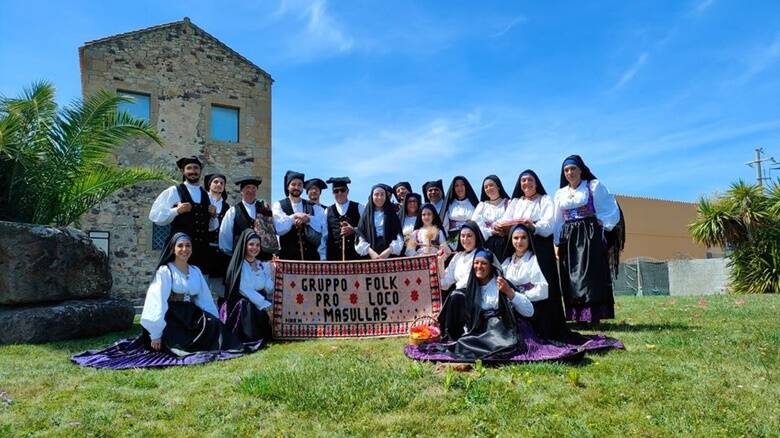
x=537, y=349
x=133, y=353
x=594, y=313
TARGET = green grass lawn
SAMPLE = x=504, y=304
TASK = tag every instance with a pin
x=692, y=366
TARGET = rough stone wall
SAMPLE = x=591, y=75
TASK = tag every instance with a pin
x=184, y=71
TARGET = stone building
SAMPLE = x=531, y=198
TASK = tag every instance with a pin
x=204, y=99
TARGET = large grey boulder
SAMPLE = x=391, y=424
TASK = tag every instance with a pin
x=42, y=264
x=64, y=320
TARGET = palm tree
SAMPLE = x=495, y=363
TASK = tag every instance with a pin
x=54, y=164
x=746, y=219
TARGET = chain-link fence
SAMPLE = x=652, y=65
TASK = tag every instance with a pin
x=642, y=276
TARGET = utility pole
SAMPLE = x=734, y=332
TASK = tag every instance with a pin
x=756, y=164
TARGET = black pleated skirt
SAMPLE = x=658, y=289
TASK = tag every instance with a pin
x=188, y=330
x=586, y=283
x=246, y=322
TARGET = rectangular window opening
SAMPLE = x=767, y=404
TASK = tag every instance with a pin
x=140, y=107
x=224, y=124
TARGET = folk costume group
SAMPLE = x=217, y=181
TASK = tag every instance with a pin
x=513, y=268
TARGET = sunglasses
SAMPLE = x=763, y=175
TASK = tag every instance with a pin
x=339, y=190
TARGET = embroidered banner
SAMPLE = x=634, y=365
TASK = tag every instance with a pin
x=367, y=298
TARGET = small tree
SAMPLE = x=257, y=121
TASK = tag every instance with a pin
x=746, y=219
x=53, y=164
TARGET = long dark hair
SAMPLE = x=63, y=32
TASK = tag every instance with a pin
x=168, y=253
x=471, y=195
x=474, y=227
x=392, y=224
x=501, y=192
x=233, y=274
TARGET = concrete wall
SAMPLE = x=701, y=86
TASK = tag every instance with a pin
x=184, y=70
x=698, y=277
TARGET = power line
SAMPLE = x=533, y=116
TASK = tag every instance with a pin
x=756, y=164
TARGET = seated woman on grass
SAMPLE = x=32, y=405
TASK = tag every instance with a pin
x=522, y=269
x=250, y=282
x=179, y=320
x=487, y=320
x=480, y=318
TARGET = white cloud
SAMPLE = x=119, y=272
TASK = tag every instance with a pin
x=629, y=74
x=762, y=58
x=316, y=33
x=415, y=153
x=515, y=21
x=702, y=6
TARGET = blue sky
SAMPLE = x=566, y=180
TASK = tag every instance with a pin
x=662, y=99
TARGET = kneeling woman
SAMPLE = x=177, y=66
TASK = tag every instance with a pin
x=457, y=271
x=179, y=320
x=522, y=269
x=480, y=318
x=524, y=272
x=246, y=311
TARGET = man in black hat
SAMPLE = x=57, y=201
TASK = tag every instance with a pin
x=342, y=219
x=242, y=215
x=433, y=192
x=314, y=188
x=298, y=222
x=186, y=208
x=400, y=190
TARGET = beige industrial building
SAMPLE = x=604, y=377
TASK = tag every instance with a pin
x=658, y=229
x=204, y=99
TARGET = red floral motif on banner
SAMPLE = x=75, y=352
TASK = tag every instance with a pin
x=299, y=298
x=414, y=295
x=357, y=285
x=419, y=281
x=353, y=298
x=292, y=285
x=406, y=282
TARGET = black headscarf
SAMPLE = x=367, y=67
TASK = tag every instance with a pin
x=168, y=253
x=474, y=297
x=501, y=192
x=392, y=225
x=471, y=195
x=437, y=183
x=518, y=191
x=402, y=213
x=210, y=177
x=586, y=174
x=471, y=225
x=436, y=218
x=233, y=274
x=509, y=250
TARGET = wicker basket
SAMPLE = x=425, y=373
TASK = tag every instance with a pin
x=425, y=320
